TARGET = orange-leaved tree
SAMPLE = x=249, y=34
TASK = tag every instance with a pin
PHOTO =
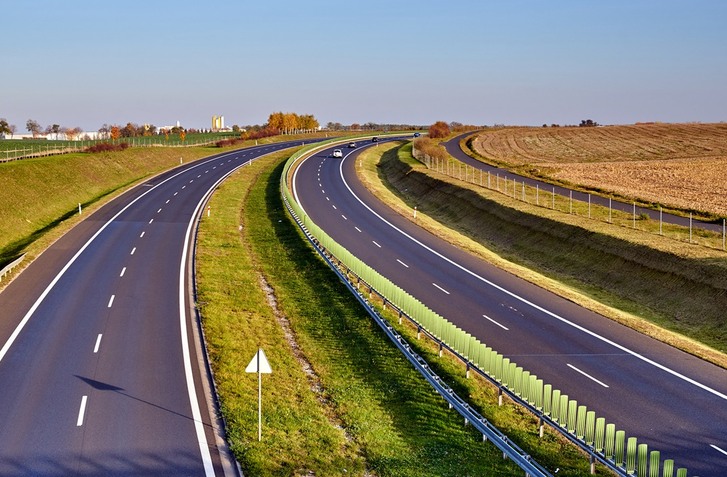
x=438, y=130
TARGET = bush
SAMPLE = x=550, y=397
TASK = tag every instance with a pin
x=429, y=148
x=107, y=147
x=438, y=130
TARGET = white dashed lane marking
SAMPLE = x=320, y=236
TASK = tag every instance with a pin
x=82, y=411
x=587, y=375
x=445, y=291
x=498, y=324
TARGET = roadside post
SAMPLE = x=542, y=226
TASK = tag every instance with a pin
x=259, y=365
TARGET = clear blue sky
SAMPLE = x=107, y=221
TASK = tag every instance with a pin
x=85, y=63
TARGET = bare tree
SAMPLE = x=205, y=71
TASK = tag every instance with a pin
x=4, y=127
x=33, y=127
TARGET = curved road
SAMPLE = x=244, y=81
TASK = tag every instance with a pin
x=101, y=368
x=674, y=402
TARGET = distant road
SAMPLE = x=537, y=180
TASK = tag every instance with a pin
x=673, y=401
x=453, y=148
x=101, y=369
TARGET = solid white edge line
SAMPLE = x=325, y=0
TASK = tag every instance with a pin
x=533, y=305
x=498, y=324
x=81, y=411
x=186, y=355
x=718, y=449
x=587, y=375
x=98, y=343
x=445, y=291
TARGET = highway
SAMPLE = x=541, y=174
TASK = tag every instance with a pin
x=101, y=367
x=670, y=400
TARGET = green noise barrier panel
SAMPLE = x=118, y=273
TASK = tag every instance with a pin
x=612, y=446
x=631, y=449
x=654, y=460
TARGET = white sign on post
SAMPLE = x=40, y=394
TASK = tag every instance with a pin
x=259, y=365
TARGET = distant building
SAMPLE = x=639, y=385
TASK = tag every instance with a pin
x=218, y=123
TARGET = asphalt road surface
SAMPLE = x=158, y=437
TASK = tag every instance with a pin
x=101, y=368
x=675, y=403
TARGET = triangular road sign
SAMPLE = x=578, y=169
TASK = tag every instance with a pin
x=259, y=363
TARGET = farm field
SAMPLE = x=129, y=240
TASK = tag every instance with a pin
x=680, y=166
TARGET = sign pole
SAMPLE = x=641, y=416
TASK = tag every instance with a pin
x=259, y=364
x=259, y=400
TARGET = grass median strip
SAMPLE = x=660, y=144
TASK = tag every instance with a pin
x=357, y=407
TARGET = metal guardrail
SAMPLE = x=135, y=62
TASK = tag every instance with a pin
x=8, y=268
x=489, y=432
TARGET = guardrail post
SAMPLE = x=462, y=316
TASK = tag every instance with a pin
x=400, y=319
x=593, y=465
x=467, y=371
x=441, y=348
x=419, y=331
x=499, y=396
x=541, y=426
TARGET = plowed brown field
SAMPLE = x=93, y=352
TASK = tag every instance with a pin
x=678, y=165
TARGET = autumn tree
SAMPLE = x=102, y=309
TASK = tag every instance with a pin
x=309, y=122
x=439, y=129
x=115, y=132
x=276, y=121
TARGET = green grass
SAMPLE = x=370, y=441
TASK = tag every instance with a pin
x=39, y=194
x=668, y=289
x=40, y=145
x=395, y=423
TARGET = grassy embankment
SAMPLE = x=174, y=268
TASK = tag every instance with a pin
x=673, y=291
x=341, y=399
x=39, y=197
